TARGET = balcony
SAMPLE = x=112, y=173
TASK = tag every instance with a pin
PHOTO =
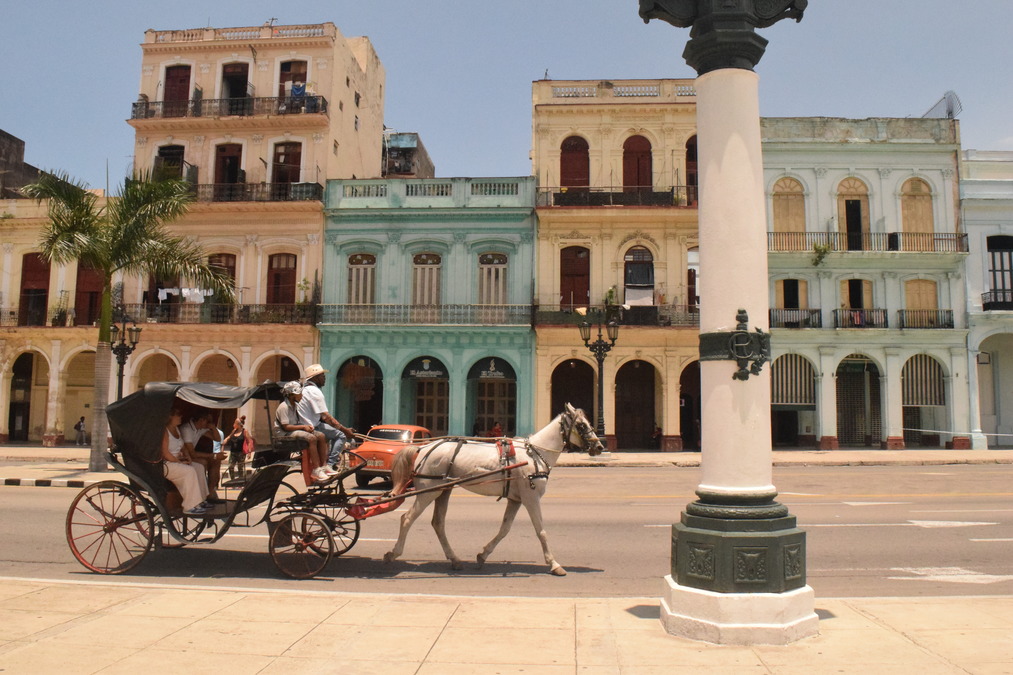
x=925, y=318
x=860, y=318
x=676, y=316
x=796, y=318
x=997, y=301
x=867, y=241
x=442, y=315
x=677, y=195
x=229, y=107
x=221, y=313
x=259, y=192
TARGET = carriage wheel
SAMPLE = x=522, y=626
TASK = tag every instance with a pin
x=109, y=527
x=344, y=528
x=301, y=545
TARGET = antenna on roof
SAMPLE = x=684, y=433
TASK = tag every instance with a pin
x=949, y=107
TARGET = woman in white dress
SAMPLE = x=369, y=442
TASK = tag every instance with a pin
x=186, y=475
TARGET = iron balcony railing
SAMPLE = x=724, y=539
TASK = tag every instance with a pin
x=677, y=195
x=220, y=313
x=403, y=315
x=1001, y=300
x=230, y=107
x=925, y=318
x=860, y=318
x=680, y=316
x=259, y=192
x=796, y=318
x=807, y=242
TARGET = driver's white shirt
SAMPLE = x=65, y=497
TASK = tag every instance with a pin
x=312, y=404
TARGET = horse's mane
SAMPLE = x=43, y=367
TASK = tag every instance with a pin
x=402, y=469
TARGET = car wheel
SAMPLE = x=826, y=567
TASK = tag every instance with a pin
x=362, y=479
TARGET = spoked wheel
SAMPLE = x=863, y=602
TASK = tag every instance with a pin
x=109, y=527
x=344, y=528
x=301, y=545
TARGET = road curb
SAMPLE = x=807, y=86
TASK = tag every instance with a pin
x=48, y=482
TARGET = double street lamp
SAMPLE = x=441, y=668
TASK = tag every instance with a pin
x=600, y=348
x=123, y=341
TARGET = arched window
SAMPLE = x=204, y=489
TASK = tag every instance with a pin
x=639, y=276
x=361, y=279
x=789, y=216
x=426, y=279
x=574, y=277
x=853, y=212
x=281, y=279
x=922, y=381
x=916, y=215
x=637, y=165
x=692, y=178
x=574, y=163
x=492, y=271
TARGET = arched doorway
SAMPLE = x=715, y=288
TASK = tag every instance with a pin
x=792, y=401
x=859, y=407
x=923, y=387
x=156, y=368
x=33, y=307
x=636, y=414
x=359, y=393
x=689, y=406
x=573, y=383
x=574, y=277
x=692, y=175
x=637, y=175
x=574, y=163
x=19, y=419
x=995, y=365
x=425, y=394
x=79, y=391
x=492, y=393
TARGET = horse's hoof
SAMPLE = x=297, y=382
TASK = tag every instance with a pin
x=456, y=565
x=480, y=559
x=558, y=571
x=388, y=557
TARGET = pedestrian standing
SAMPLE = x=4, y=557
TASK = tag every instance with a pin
x=82, y=437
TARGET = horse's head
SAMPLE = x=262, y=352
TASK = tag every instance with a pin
x=577, y=432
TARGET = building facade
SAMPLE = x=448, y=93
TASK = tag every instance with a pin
x=426, y=314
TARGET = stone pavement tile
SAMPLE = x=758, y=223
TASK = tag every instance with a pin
x=192, y=663
x=12, y=589
x=846, y=668
x=876, y=648
x=40, y=657
x=229, y=636
x=177, y=602
x=507, y=643
x=968, y=646
x=264, y=607
x=676, y=669
x=117, y=630
x=420, y=611
x=942, y=614
x=635, y=614
x=837, y=615
x=492, y=669
x=355, y=611
x=285, y=665
x=514, y=612
x=1001, y=608
x=20, y=624
x=597, y=647
x=72, y=599
x=639, y=649
x=989, y=669
x=366, y=643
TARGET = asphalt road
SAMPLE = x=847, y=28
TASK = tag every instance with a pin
x=872, y=531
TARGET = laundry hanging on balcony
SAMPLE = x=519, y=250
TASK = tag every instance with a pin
x=195, y=295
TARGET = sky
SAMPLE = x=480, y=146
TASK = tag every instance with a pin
x=459, y=73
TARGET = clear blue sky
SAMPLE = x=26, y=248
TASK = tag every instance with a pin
x=460, y=73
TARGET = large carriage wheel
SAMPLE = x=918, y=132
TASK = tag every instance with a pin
x=109, y=527
x=301, y=545
x=344, y=528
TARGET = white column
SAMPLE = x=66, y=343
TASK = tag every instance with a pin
x=733, y=258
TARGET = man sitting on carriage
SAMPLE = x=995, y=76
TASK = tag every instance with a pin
x=288, y=422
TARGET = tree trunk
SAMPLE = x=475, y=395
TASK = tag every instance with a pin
x=103, y=367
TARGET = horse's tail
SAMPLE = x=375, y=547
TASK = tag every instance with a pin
x=403, y=469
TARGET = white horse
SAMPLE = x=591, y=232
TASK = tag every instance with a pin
x=445, y=460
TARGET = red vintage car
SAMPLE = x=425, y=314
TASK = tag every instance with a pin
x=381, y=444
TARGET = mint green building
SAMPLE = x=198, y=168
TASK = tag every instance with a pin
x=426, y=306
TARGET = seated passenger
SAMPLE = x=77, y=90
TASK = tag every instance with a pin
x=202, y=425
x=289, y=423
x=187, y=476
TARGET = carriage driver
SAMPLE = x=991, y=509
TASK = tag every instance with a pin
x=313, y=408
x=290, y=423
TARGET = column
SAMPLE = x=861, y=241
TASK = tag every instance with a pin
x=893, y=402
x=828, y=399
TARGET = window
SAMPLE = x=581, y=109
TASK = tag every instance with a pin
x=637, y=165
x=492, y=270
x=177, y=91
x=789, y=216
x=236, y=89
x=426, y=279
x=916, y=215
x=287, y=161
x=281, y=279
x=922, y=382
x=791, y=294
x=361, y=279
x=574, y=163
x=853, y=212
x=692, y=176
x=292, y=73
x=169, y=162
x=574, y=277
x=639, y=276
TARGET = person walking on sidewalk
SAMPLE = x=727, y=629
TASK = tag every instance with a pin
x=82, y=437
x=313, y=408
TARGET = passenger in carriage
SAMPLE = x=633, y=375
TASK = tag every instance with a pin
x=288, y=422
x=187, y=476
x=202, y=425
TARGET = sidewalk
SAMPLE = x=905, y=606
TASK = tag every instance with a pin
x=67, y=466
x=100, y=627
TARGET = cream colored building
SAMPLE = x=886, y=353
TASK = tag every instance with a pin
x=257, y=119
x=617, y=226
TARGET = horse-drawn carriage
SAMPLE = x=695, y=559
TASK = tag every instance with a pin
x=112, y=525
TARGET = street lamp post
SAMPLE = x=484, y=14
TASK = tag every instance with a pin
x=600, y=348
x=128, y=339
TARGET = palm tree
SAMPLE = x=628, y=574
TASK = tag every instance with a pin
x=127, y=235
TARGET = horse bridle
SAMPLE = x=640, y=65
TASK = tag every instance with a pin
x=583, y=430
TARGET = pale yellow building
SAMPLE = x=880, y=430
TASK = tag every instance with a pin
x=257, y=119
x=617, y=233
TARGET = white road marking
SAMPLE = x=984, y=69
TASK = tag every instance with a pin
x=1000, y=539
x=800, y=494
x=874, y=503
x=930, y=524
x=951, y=574
x=264, y=536
x=965, y=511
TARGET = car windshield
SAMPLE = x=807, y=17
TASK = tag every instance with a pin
x=389, y=434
